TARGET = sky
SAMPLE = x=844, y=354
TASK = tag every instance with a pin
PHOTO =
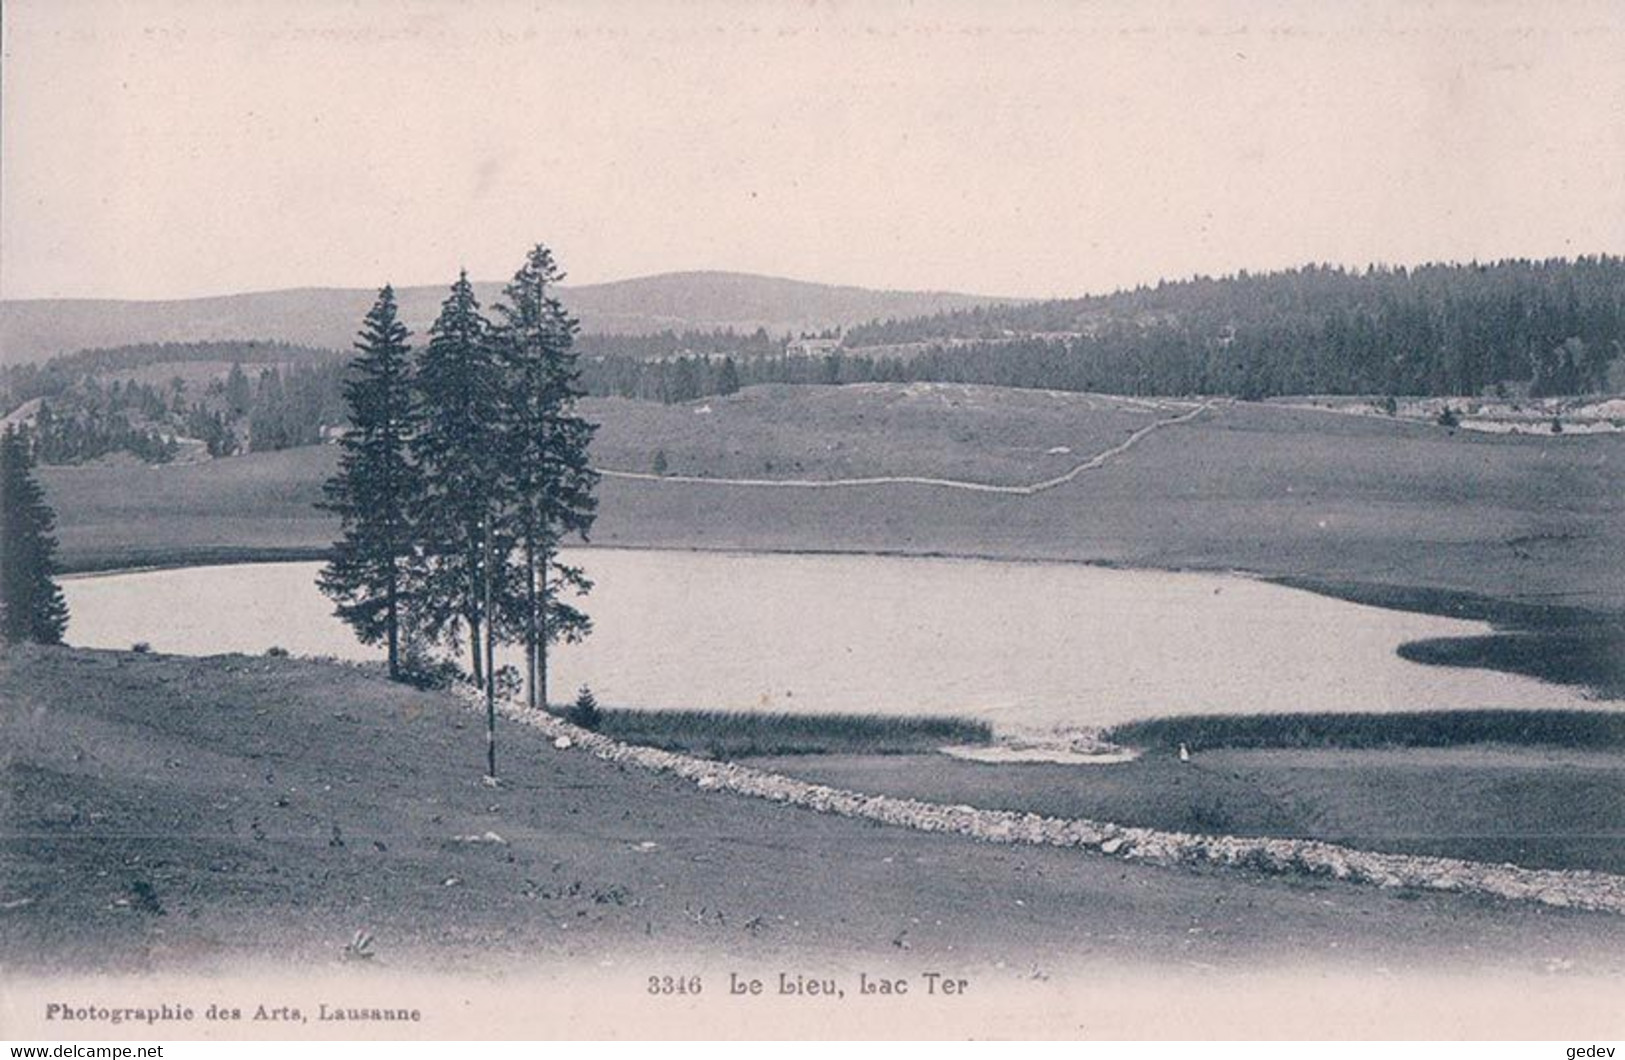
x=170, y=149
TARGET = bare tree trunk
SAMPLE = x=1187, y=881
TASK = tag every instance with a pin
x=530, y=621
x=394, y=627
x=541, y=631
x=475, y=650
x=472, y=615
x=490, y=676
x=540, y=609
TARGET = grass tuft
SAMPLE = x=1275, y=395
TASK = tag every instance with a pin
x=740, y=734
x=1590, y=729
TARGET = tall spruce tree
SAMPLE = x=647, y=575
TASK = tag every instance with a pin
x=376, y=491
x=31, y=604
x=458, y=456
x=545, y=444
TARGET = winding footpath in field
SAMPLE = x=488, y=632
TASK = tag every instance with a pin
x=1097, y=461
x=1579, y=889
x=1563, y=888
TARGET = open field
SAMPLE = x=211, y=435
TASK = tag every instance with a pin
x=170, y=814
x=263, y=504
x=982, y=434
x=241, y=508
x=1281, y=492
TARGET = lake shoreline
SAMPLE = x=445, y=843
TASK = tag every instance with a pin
x=1588, y=644
x=866, y=634
x=1418, y=599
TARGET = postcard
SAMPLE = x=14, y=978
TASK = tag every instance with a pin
x=812, y=520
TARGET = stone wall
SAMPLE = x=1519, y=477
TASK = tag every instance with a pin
x=1599, y=891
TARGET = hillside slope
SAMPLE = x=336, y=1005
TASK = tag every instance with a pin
x=32, y=330
x=172, y=813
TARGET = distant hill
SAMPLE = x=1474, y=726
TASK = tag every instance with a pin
x=35, y=329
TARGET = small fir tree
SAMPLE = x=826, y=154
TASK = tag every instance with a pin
x=31, y=603
x=584, y=711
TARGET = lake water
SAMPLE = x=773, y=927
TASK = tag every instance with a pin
x=1028, y=646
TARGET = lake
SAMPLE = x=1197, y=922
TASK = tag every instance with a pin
x=1028, y=646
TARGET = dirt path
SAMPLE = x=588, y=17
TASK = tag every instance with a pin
x=1099, y=460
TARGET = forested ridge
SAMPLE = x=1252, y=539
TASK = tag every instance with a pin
x=1537, y=328
x=1435, y=330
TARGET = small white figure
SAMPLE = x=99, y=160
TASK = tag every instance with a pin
x=1184, y=753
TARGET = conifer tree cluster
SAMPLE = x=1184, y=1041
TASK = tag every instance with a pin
x=95, y=402
x=464, y=471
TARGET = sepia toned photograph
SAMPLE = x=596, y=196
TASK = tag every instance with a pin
x=537, y=519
